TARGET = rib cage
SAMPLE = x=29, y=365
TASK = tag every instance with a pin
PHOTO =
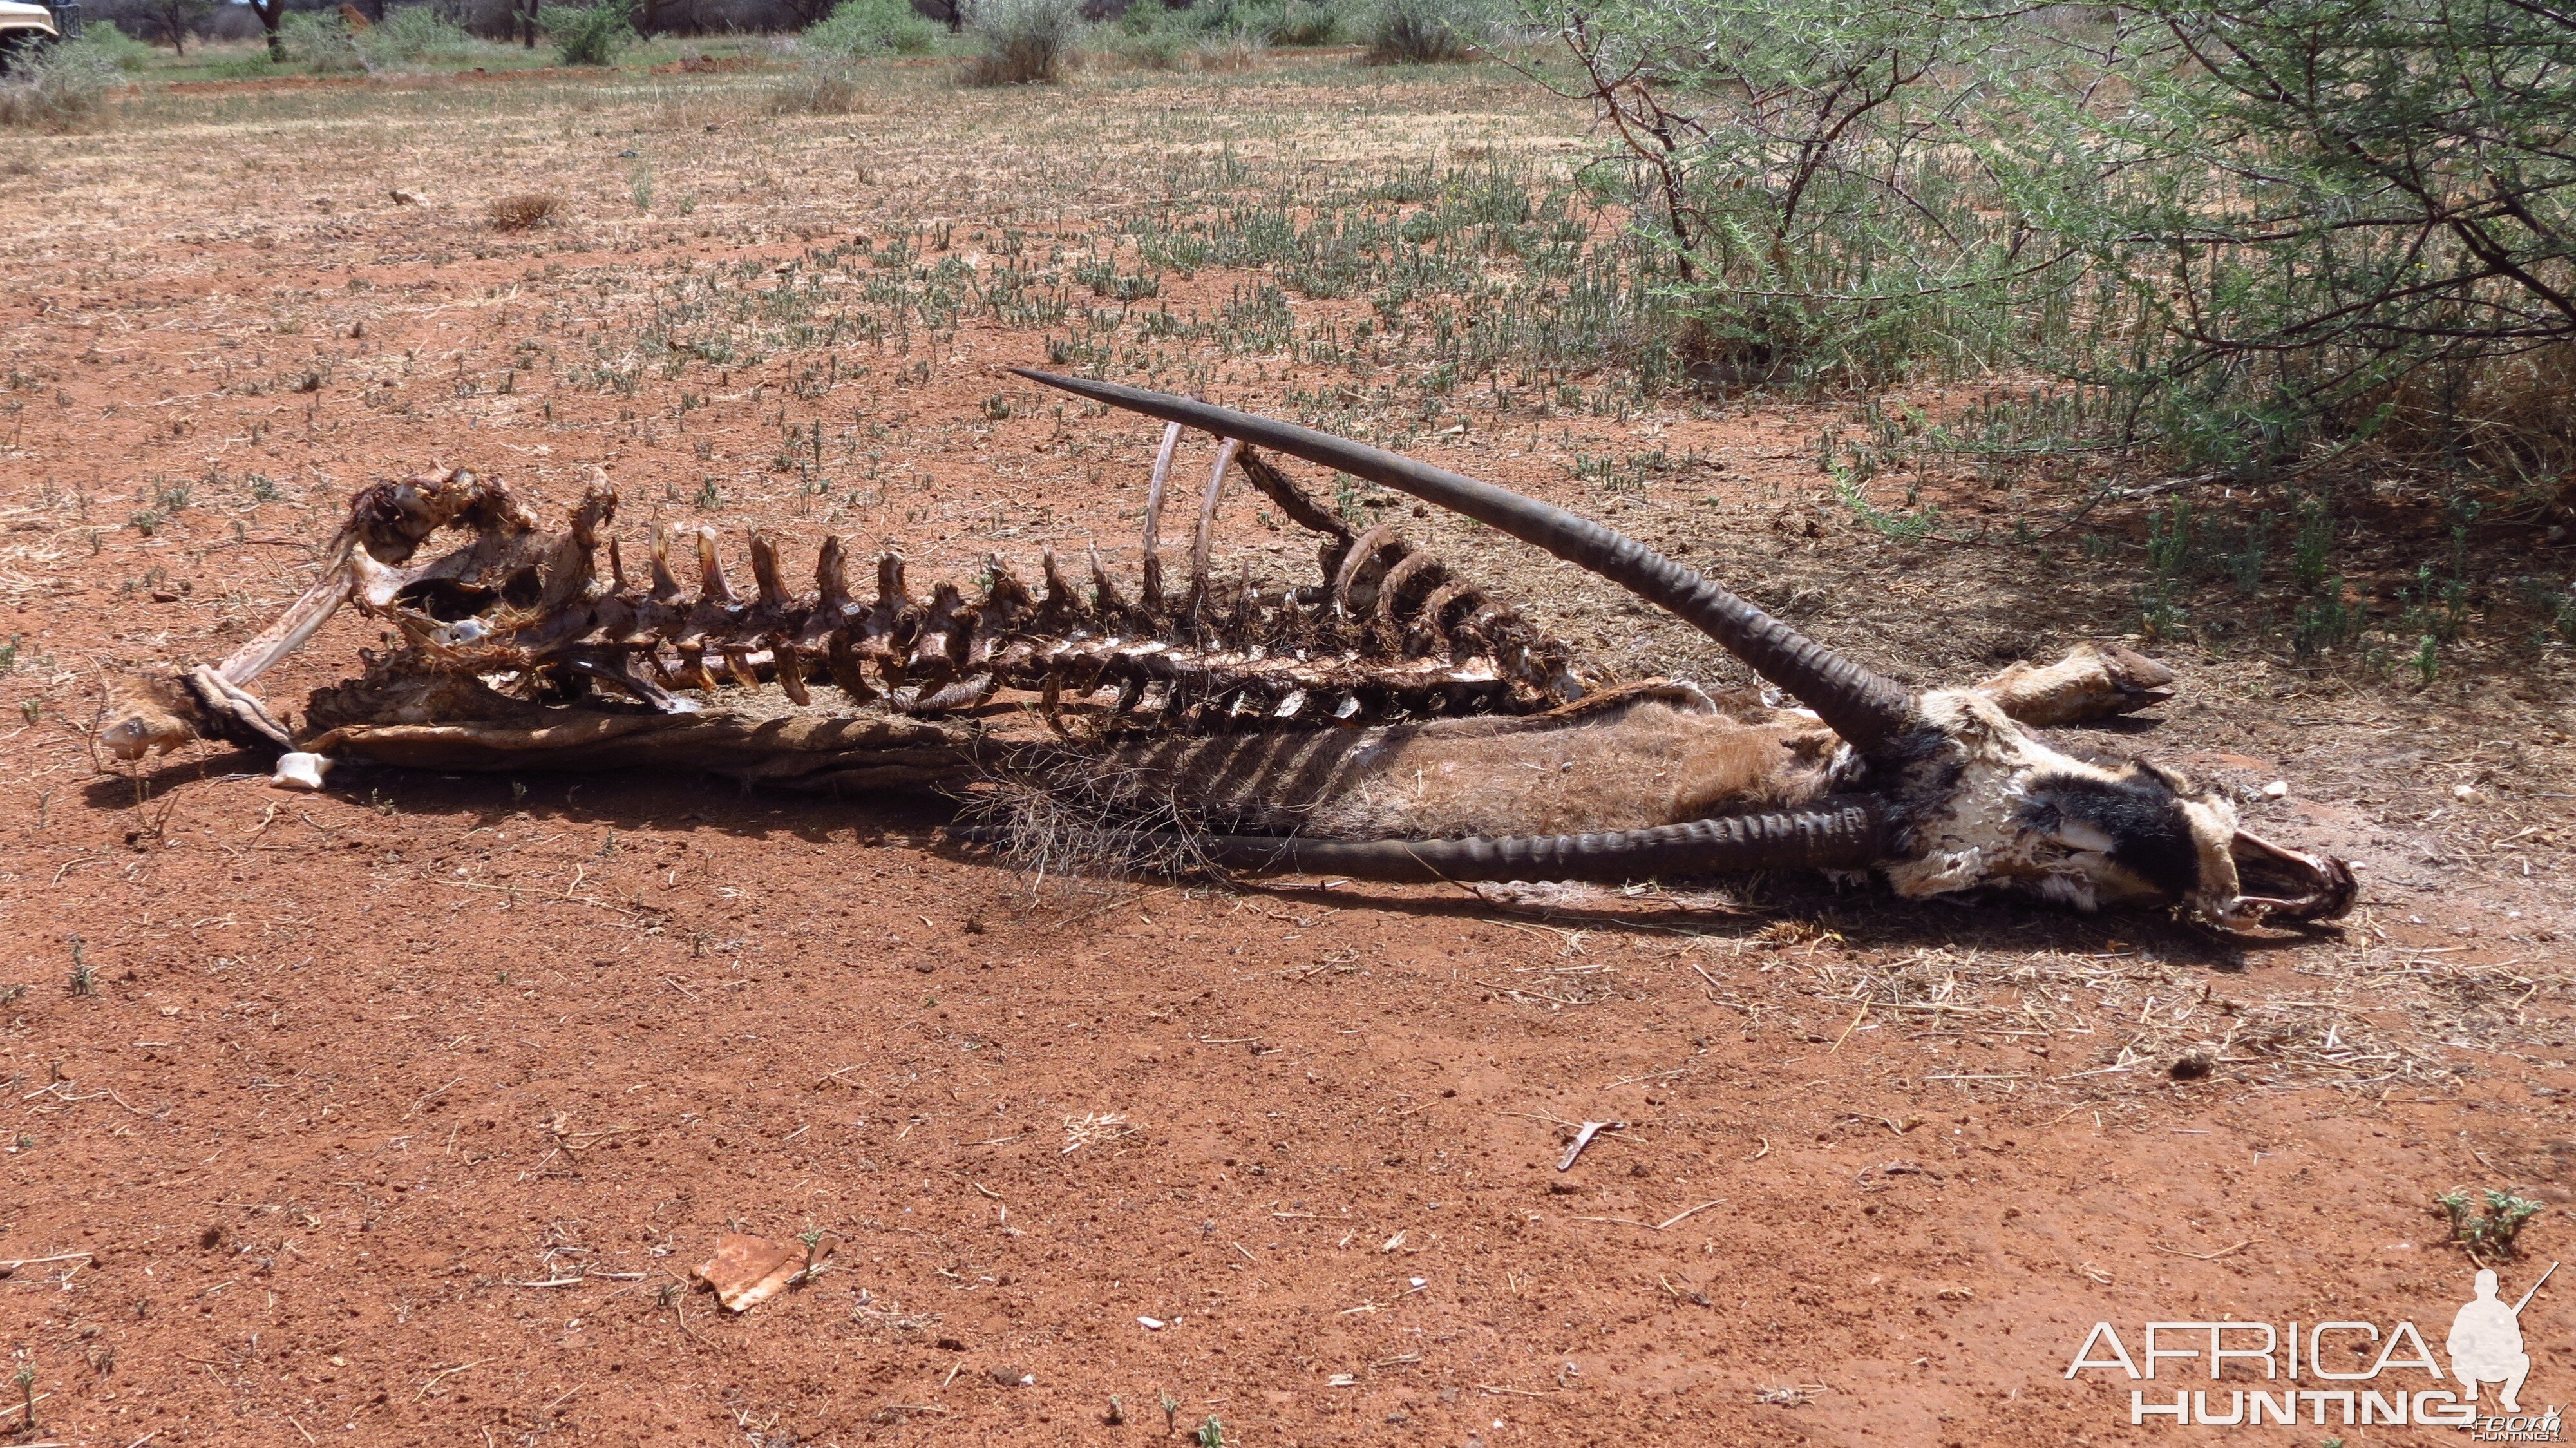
x=1389, y=632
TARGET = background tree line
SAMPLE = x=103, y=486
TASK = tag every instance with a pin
x=2248, y=231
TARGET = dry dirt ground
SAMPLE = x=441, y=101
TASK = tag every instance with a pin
x=400, y=1114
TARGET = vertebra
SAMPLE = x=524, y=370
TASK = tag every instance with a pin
x=1388, y=634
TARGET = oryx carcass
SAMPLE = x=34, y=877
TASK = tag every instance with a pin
x=1392, y=720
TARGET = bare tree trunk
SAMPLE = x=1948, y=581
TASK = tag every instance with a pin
x=270, y=12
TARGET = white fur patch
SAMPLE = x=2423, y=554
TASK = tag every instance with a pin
x=2073, y=891
x=1977, y=839
x=2077, y=835
x=2213, y=833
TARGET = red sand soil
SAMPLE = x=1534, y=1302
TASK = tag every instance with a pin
x=401, y=1114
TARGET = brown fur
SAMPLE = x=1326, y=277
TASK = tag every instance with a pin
x=2093, y=681
x=144, y=712
x=1631, y=760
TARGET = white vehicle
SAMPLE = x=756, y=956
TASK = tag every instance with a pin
x=23, y=28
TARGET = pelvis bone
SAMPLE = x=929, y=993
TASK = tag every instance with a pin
x=1390, y=718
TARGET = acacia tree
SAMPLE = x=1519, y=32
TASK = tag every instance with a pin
x=2317, y=217
x=175, y=20
x=1802, y=163
x=2251, y=224
x=270, y=13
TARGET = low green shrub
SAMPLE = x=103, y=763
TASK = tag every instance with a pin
x=1156, y=48
x=320, y=40
x=60, y=88
x=1299, y=22
x=589, y=34
x=410, y=35
x=858, y=28
x=2493, y=1230
x=1258, y=23
x=130, y=54
x=1423, y=32
x=1022, y=42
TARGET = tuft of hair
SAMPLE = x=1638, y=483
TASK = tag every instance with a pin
x=1057, y=821
x=526, y=211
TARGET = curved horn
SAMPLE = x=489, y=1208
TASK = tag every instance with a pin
x=1850, y=835
x=1872, y=712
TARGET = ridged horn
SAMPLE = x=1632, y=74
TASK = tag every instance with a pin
x=1874, y=713
x=1849, y=835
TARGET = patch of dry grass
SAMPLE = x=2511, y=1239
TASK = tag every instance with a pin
x=2370, y=1019
x=525, y=211
x=61, y=89
x=820, y=88
x=1228, y=54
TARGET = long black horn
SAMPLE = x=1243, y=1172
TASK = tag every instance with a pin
x=1844, y=836
x=1873, y=713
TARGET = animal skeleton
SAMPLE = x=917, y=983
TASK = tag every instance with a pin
x=1397, y=721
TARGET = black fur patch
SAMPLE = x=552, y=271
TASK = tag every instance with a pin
x=2150, y=834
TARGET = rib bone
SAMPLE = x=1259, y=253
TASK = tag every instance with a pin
x=1207, y=518
x=1153, y=564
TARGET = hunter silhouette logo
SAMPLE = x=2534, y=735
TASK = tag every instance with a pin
x=2485, y=1346
x=2486, y=1342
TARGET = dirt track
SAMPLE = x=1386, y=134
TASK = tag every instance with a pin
x=400, y=1114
